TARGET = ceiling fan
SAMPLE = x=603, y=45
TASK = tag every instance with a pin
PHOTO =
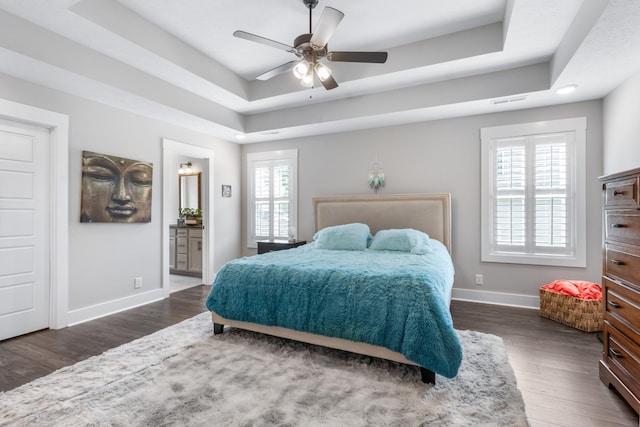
x=311, y=48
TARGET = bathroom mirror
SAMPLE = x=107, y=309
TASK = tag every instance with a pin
x=189, y=190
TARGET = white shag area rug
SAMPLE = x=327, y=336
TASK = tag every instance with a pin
x=184, y=375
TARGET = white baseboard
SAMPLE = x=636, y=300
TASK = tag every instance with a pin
x=111, y=307
x=497, y=298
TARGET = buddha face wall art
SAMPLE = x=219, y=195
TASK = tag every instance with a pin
x=115, y=189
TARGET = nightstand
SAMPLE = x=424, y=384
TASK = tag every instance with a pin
x=265, y=246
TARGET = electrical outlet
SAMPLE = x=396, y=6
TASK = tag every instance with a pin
x=137, y=283
x=479, y=279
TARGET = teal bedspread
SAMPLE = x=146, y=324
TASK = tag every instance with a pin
x=395, y=300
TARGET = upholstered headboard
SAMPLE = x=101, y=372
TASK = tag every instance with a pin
x=430, y=213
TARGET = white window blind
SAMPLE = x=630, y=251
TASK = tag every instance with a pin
x=531, y=194
x=272, y=195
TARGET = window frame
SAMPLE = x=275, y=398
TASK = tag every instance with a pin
x=271, y=158
x=576, y=157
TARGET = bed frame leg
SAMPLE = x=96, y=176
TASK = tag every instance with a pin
x=217, y=328
x=428, y=377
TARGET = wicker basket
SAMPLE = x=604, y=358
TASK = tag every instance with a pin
x=585, y=315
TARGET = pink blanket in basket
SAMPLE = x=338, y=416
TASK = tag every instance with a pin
x=575, y=288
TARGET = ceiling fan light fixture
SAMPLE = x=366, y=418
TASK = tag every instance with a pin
x=323, y=72
x=307, y=79
x=300, y=69
x=312, y=47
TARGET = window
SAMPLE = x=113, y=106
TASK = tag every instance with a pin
x=533, y=193
x=272, y=196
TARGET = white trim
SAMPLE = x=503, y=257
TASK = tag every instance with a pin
x=58, y=125
x=496, y=298
x=169, y=209
x=578, y=125
x=107, y=308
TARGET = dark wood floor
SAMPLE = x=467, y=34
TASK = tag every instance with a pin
x=556, y=366
x=24, y=358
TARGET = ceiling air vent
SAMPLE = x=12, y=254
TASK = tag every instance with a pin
x=508, y=100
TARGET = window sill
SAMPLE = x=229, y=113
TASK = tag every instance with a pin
x=527, y=259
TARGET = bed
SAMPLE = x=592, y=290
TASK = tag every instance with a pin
x=354, y=300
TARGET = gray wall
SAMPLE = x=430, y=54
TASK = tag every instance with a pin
x=438, y=156
x=621, y=120
x=105, y=258
x=442, y=156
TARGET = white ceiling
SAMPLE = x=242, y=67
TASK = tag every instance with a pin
x=178, y=61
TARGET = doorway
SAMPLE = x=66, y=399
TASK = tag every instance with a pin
x=185, y=239
x=174, y=154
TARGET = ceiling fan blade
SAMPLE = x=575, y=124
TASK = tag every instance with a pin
x=262, y=40
x=327, y=24
x=328, y=83
x=278, y=70
x=373, y=57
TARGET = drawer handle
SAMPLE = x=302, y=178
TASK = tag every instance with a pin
x=617, y=262
x=613, y=304
x=615, y=353
x=617, y=225
x=618, y=193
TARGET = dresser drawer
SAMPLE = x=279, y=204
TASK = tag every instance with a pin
x=623, y=358
x=622, y=309
x=621, y=193
x=622, y=263
x=181, y=245
x=181, y=262
x=195, y=233
x=182, y=232
x=622, y=226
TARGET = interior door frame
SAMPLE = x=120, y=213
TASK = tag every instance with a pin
x=170, y=147
x=58, y=211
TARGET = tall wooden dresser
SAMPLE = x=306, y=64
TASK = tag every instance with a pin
x=620, y=364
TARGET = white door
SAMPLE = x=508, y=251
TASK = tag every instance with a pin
x=24, y=229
